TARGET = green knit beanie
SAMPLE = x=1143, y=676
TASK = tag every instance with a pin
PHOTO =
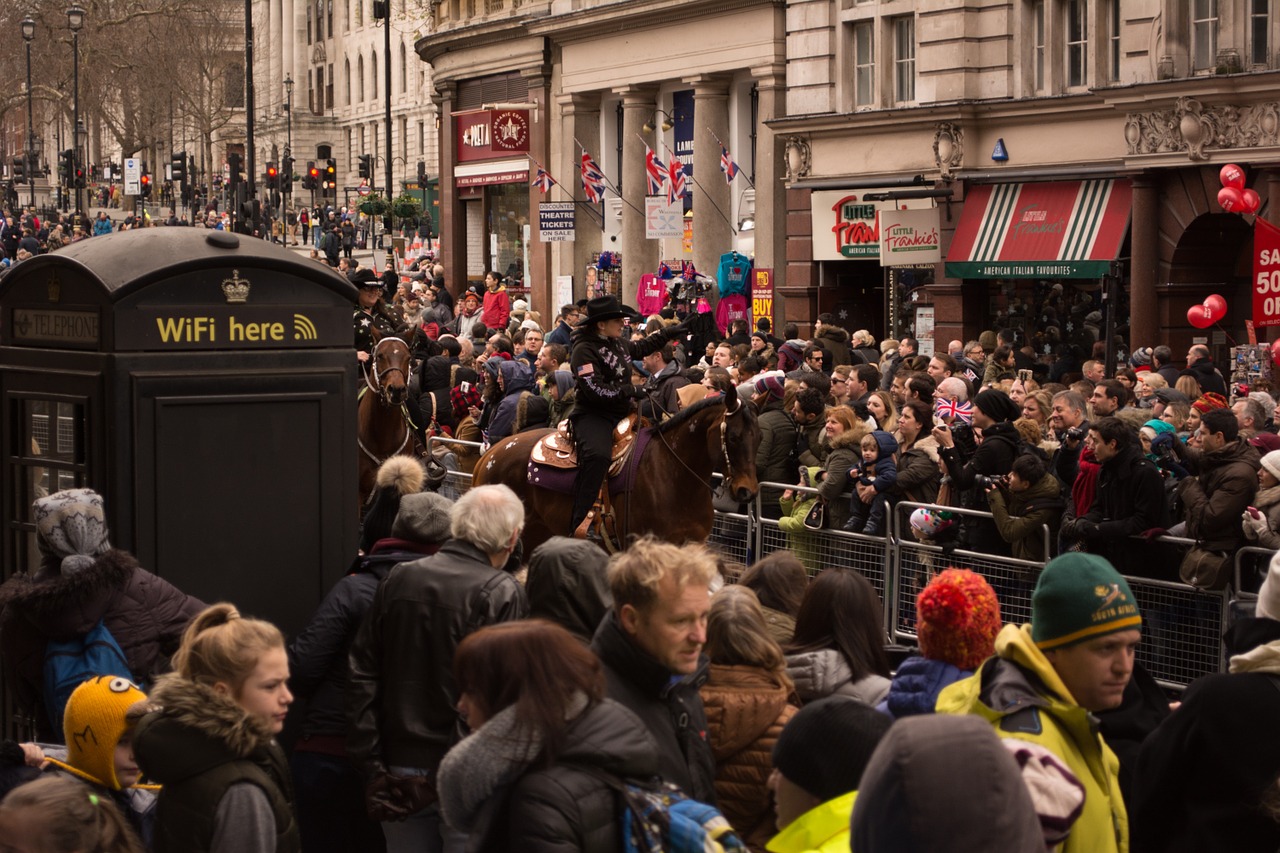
x=1078, y=597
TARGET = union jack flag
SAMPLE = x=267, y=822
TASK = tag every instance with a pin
x=677, y=188
x=592, y=178
x=655, y=171
x=543, y=181
x=727, y=165
x=953, y=409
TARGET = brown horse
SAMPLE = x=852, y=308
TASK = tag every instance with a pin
x=383, y=421
x=671, y=496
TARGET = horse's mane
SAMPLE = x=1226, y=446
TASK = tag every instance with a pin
x=685, y=415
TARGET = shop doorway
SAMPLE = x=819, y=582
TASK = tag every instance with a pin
x=854, y=292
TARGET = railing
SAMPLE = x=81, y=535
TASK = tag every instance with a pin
x=1182, y=626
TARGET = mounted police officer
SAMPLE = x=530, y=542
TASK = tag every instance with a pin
x=372, y=312
x=601, y=365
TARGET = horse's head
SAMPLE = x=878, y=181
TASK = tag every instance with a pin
x=389, y=368
x=738, y=439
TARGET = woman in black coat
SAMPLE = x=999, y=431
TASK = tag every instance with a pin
x=545, y=744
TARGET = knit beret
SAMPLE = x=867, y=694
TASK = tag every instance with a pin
x=1271, y=463
x=1079, y=597
x=997, y=405
x=71, y=526
x=958, y=617
x=827, y=744
x=1209, y=401
x=770, y=385
x=423, y=517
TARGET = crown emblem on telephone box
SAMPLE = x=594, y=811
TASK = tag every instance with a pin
x=236, y=288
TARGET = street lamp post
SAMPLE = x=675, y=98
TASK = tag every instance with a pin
x=75, y=20
x=288, y=153
x=29, y=33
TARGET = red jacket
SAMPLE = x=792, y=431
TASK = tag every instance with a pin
x=497, y=309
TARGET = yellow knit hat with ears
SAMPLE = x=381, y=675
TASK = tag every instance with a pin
x=94, y=722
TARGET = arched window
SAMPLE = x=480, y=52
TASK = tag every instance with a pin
x=346, y=76
x=360, y=78
x=404, y=71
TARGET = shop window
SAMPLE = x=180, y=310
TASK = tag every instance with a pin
x=1056, y=314
x=508, y=215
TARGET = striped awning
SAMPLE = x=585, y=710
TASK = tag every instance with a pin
x=1062, y=229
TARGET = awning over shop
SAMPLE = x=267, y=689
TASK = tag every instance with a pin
x=1062, y=229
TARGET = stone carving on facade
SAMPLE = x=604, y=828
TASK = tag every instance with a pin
x=318, y=54
x=1194, y=128
x=799, y=157
x=948, y=148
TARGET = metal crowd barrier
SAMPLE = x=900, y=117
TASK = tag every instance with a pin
x=1182, y=625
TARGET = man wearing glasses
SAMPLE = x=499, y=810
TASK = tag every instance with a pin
x=563, y=331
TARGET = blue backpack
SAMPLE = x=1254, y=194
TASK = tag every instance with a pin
x=69, y=664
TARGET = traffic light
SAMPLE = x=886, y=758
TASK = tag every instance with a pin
x=20, y=169
x=331, y=174
x=233, y=166
x=286, y=173
x=178, y=166
x=272, y=176
x=144, y=186
x=66, y=167
x=79, y=175
x=422, y=175
x=311, y=180
x=366, y=166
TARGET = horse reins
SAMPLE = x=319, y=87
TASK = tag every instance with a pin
x=376, y=387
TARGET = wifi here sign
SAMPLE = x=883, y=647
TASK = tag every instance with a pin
x=234, y=327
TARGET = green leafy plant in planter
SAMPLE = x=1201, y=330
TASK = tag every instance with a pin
x=374, y=205
x=406, y=206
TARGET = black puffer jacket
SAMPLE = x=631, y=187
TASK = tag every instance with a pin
x=401, y=700
x=567, y=584
x=318, y=668
x=568, y=807
x=993, y=457
x=672, y=711
x=145, y=614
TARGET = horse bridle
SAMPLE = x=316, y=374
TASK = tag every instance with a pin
x=724, y=444
x=375, y=383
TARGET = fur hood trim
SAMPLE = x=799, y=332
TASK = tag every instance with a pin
x=197, y=706
x=49, y=593
x=928, y=445
x=851, y=438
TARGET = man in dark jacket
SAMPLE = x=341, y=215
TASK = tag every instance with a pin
x=1226, y=481
x=401, y=699
x=1201, y=367
x=777, y=441
x=651, y=646
x=1162, y=362
x=665, y=379
x=1129, y=500
x=993, y=413
x=833, y=340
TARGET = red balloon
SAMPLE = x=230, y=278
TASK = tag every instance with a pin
x=1217, y=305
x=1231, y=199
x=1232, y=176
x=1200, y=316
x=1275, y=351
x=1252, y=201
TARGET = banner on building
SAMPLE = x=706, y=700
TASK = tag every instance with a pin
x=1266, y=274
x=662, y=219
x=846, y=225
x=555, y=221
x=489, y=134
x=909, y=237
x=761, y=294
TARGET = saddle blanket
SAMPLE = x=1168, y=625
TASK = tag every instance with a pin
x=564, y=480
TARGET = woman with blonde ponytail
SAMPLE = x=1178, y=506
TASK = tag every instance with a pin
x=207, y=735
x=57, y=814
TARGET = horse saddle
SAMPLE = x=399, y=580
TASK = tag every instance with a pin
x=557, y=450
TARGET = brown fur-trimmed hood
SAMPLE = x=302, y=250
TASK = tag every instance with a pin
x=185, y=728
x=850, y=438
x=62, y=605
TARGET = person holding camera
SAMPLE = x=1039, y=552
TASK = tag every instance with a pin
x=993, y=414
x=1023, y=503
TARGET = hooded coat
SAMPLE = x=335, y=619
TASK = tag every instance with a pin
x=746, y=710
x=226, y=782
x=1214, y=500
x=145, y=614
x=1021, y=695
x=568, y=585
x=1204, y=772
x=777, y=441
x=517, y=380
x=844, y=452
x=918, y=474
x=825, y=672
x=1021, y=516
x=835, y=341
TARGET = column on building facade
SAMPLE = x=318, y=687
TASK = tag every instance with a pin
x=712, y=231
x=541, y=291
x=771, y=208
x=639, y=255
x=1144, y=319
x=453, y=226
x=580, y=123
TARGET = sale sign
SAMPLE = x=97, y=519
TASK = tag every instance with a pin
x=762, y=294
x=1266, y=274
